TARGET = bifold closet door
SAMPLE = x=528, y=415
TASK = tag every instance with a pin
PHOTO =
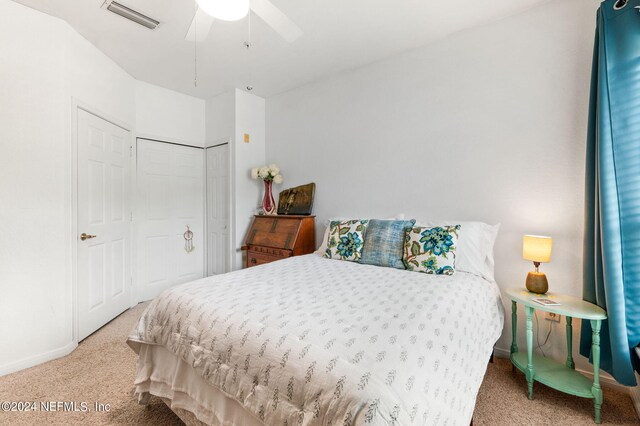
x=170, y=199
x=104, y=222
x=218, y=209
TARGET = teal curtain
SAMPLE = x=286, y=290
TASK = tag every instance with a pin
x=612, y=201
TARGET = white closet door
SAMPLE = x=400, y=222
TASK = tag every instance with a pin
x=170, y=198
x=104, y=215
x=218, y=209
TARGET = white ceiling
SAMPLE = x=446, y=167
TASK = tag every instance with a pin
x=338, y=35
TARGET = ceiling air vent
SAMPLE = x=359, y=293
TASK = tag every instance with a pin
x=130, y=14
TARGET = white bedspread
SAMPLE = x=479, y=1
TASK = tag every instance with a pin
x=313, y=341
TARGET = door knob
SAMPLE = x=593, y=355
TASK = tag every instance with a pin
x=84, y=236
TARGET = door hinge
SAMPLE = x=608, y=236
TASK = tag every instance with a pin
x=131, y=217
x=130, y=151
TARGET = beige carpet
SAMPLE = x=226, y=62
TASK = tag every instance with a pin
x=102, y=369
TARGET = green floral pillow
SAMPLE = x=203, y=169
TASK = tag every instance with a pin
x=346, y=239
x=431, y=250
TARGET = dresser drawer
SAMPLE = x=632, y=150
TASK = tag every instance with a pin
x=273, y=231
x=259, y=258
x=270, y=251
x=277, y=237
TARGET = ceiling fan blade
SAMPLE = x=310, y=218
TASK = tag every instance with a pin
x=203, y=26
x=276, y=19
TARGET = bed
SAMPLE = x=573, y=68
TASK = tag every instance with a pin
x=315, y=341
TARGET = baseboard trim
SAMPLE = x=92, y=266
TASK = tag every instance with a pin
x=605, y=381
x=37, y=359
x=501, y=353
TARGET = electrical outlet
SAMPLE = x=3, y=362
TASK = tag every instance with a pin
x=550, y=316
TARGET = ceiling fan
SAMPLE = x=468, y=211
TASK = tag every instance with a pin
x=233, y=10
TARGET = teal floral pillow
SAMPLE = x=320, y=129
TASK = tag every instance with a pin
x=431, y=250
x=346, y=239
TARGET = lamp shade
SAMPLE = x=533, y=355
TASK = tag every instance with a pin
x=225, y=10
x=537, y=248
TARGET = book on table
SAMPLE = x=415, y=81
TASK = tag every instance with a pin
x=546, y=302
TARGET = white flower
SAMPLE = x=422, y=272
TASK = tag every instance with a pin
x=274, y=169
x=254, y=173
x=277, y=179
x=263, y=172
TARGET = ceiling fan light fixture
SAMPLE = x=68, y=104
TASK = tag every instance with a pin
x=225, y=10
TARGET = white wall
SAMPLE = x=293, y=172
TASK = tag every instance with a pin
x=169, y=116
x=46, y=64
x=250, y=119
x=33, y=159
x=489, y=124
x=221, y=117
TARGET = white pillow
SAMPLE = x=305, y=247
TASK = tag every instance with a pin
x=325, y=238
x=475, y=246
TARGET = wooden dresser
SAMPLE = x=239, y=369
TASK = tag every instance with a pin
x=277, y=237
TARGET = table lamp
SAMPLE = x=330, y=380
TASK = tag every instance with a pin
x=537, y=249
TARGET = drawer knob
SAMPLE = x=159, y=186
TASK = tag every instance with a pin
x=253, y=260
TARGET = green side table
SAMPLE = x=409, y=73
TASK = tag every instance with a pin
x=546, y=371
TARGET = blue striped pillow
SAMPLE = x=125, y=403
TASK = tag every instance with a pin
x=384, y=243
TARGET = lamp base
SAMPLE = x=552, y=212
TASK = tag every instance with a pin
x=537, y=283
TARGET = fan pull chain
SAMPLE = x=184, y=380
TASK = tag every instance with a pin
x=247, y=45
x=195, y=47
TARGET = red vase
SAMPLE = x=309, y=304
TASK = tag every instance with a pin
x=268, y=203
